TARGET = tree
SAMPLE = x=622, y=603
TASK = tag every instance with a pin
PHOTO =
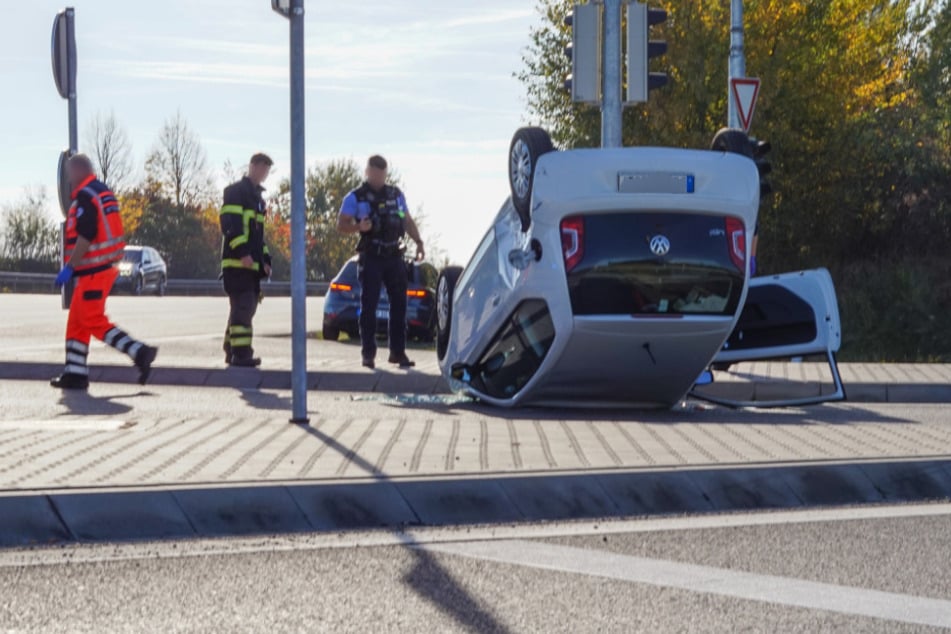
x=187, y=236
x=178, y=164
x=29, y=238
x=111, y=150
x=837, y=105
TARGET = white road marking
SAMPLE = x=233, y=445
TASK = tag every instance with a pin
x=205, y=547
x=708, y=580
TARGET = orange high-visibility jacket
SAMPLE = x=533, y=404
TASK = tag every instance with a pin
x=94, y=197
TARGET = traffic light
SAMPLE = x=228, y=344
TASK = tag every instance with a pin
x=760, y=149
x=640, y=50
x=584, y=52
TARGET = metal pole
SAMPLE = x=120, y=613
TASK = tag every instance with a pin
x=737, y=59
x=71, y=42
x=298, y=220
x=612, y=109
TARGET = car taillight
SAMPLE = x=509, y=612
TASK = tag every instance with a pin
x=736, y=238
x=346, y=288
x=572, y=241
x=418, y=294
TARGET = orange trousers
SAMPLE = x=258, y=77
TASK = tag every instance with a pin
x=87, y=310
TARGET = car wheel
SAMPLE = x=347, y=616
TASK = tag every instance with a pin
x=445, y=289
x=528, y=145
x=138, y=285
x=733, y=141
x=331, y=334
x=162, y=287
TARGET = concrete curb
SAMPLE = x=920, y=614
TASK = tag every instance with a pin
x=420, y=383
x=121, y=515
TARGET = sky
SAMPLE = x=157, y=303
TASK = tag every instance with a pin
x=427, y=84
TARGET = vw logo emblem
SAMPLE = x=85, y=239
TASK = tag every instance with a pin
x=660, y=246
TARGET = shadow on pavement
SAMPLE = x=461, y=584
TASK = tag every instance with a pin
x=266, y=400
x=83, y=403
x=428, y=578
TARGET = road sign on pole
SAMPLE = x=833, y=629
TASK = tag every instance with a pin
x=745, y=91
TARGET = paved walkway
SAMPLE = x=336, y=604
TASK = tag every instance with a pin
x=171, y=435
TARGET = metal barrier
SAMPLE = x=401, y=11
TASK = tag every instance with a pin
x=44, y=283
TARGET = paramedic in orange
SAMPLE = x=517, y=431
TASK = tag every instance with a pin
x=94, y=246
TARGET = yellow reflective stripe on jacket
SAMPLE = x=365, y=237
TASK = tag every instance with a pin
x=237, y=242
x=233, y=209
x=237, y=264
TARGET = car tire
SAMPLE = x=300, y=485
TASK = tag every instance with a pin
x=445, y=289
x=138, y=286
x=732, y=141
x=162, y=287
x=528, y=145
x=331, y=334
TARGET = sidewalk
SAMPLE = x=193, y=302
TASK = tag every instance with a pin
x=132, y=463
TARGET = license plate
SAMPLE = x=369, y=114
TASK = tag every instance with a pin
x=383, y=314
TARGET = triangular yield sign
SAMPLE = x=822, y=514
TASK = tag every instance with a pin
x=745, y=93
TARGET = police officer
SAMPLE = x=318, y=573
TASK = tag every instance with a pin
x=94, y=245
x=245, y=259
x=378, y=212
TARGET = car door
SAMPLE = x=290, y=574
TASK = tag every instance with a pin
x=787, y=316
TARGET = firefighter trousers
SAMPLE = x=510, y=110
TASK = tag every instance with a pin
x=244, y=290
x=87, y=319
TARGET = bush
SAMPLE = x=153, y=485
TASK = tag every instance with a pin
x=896, y=310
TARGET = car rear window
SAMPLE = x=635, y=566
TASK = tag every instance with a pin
x=655, y=263
x=348, y=273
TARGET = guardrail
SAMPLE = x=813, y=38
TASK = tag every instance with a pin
x=11, y=282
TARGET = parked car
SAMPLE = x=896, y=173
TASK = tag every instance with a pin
x=617, y=276
x=342, y=304
x=142, y=270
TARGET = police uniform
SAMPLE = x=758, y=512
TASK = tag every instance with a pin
x=242, y=226
x=94, y=215
x=381, y=263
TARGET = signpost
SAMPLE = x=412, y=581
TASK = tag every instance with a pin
x=744, y=92
x=293, y=10
x=737, y=58
x=64, y=75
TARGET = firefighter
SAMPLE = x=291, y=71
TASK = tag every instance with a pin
x=245, y=259
x=94, y=245
x=378, y=212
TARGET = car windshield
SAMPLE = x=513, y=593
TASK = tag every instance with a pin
x=132, y=256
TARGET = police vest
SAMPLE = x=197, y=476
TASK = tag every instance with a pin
x=108, y=245
x=388, y=217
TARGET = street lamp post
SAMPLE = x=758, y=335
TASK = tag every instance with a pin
x=293, y=10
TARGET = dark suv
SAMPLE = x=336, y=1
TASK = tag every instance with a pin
x=142, y=269
x=342, y=304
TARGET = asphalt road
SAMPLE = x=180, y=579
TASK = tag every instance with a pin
x=186, y=329
x=882, y=569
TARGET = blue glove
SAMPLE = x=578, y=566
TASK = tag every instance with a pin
x=752, y=266
x=64, y=276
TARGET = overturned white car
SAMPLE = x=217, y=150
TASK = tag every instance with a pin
x=618, y=276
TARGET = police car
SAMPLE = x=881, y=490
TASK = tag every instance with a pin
x=618, y=276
